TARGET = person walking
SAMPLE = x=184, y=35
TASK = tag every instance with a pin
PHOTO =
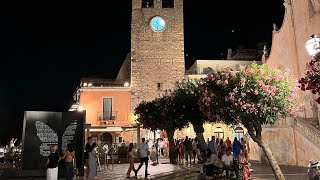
x=93, y=170
x=52, y=163
x=70, y=162
x=188, y=146
x=131, y=160
x=86, y=155
x=2, y=150
x=236, y=147
x=143, y=151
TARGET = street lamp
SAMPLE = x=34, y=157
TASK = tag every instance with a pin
x=126, y=84
x=313, y=46
x=76, y=107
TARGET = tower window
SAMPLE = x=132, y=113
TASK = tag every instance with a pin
x=147, y=3
x=167, y=3
x=159, y=86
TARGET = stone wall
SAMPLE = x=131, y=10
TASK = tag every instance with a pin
x=125, y=70
x=156, y=57
x=305, y=149
x=301, y=20
x=280, y=140
x=292, y=142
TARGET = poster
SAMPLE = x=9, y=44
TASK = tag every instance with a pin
x=42, y=129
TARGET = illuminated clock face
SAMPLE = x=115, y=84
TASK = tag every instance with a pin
x=157, y=23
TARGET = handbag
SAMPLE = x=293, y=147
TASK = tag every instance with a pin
x=75, y=171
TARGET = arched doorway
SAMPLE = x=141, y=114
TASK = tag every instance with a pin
x=218, y=133
x=239, y=133
x=106, y=138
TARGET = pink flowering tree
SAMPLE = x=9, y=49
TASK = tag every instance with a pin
x=162, y=113
x=257, y=95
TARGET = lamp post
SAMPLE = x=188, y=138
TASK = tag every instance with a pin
x=313, y=46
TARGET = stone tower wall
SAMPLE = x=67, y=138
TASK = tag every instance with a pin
x=156, y=57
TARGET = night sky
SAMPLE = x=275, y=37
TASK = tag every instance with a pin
x=47, y=48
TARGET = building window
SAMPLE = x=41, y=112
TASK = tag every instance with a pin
x=207, y=70
x=167, y=3
x=237, y=67
x=239, y=133
x=107, y=108
x=159, y=86
x=147, y=3
x=218, y=133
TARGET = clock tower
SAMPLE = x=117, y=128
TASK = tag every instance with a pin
x=157, y=48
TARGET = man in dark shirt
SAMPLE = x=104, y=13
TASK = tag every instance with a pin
x=188, y=147
x=86, y=154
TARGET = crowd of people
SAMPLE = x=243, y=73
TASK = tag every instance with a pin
x=11, y=152
x=219, y=154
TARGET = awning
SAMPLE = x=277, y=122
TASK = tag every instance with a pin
x=106, y=129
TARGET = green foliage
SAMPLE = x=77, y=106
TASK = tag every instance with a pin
x=254, y=96
x=123, y=150
x=186, y=95
x=162, y=113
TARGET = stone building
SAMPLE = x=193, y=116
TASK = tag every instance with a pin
x=156, y=62
x=157, y=53
x=294, y=141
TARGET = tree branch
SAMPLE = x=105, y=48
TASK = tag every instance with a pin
x=255, y=137
x=258, y=129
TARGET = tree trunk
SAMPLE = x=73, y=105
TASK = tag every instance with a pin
x=199, y=132
x=173, y=154
x=272, y=161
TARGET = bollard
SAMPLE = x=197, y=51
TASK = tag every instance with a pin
x=112, y=160
x=105, y=161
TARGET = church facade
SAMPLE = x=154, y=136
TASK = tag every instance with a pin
x=294, y=141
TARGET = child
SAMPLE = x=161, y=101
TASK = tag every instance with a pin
x=243, y=164
x=313, y=171
x=154, y=155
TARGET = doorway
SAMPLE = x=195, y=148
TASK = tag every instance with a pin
x=106, y=138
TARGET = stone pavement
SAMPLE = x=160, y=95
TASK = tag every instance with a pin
x=165, y=171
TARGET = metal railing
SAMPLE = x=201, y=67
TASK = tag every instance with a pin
x=107, y=115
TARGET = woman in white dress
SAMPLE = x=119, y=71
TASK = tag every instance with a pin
x=92, y=161
x=131, y=157
x=52, y=164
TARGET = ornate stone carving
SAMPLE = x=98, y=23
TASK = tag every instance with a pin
x=288, y=6
x=316, y=5
x=307, y=131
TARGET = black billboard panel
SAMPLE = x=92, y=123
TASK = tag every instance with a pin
x=43, y=129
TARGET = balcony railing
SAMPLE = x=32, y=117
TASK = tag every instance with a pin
x=107, y=115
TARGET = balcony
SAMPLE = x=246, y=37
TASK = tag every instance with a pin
x=104, y=116
x=113, y=118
